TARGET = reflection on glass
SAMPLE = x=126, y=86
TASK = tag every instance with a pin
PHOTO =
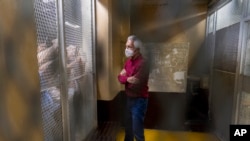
x=229, y=14
x=247, y=55
x=211, y=23
x=248, y=7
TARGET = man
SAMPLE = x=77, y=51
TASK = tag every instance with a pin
x=135, y=77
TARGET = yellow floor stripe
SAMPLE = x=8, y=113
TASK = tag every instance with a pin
x=160, y=135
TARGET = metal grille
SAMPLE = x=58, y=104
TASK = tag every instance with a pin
x=73, y=31
x=46, y=24
x=79, y=49
x=47, y=54
x=244, y=108
x=75, y=61
x=230, y=14
x=78, y=34
x=226, y=48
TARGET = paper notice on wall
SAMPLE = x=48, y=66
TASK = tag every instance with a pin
x=168, y=68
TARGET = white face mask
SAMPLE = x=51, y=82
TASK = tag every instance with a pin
x=129, y=52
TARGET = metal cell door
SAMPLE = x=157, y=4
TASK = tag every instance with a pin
x=65, y=55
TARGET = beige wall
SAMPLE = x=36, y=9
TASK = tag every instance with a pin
x=112, y=27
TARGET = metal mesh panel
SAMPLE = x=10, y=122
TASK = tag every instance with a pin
x=75, y=60
x=78, y=39
x=229, y=14
x=46, y=24
x=244, y=113
x=226, y=48
x=78, y=33
x=73, y=32
x=47, y=54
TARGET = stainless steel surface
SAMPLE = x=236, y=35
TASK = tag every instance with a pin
x=63, y=72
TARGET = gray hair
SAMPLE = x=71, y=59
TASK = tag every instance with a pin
x=136, y=40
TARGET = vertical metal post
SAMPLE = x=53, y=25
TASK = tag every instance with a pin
x=93, y=18
x=63, y=71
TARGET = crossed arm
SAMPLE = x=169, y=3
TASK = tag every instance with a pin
x=123, y=78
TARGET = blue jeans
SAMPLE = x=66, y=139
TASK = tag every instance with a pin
x=135, y=112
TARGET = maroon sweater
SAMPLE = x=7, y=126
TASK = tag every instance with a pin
x=138, y=68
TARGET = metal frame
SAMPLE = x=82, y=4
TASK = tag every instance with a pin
x=63, y=71
x=239, y=70
x=212, y=56
x=217, y=4
x=241, y=42
x=93, y=3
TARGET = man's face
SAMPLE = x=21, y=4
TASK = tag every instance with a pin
x=130, y=45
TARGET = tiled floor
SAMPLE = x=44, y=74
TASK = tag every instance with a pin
x=159, y=135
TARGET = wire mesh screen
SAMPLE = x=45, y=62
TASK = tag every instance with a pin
x=46, y=25
x=78, y=34
x=226, y=48
x=73, y=32
x=47, y=54
x=78, y=43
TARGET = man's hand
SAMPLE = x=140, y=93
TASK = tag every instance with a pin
x=133, y=80
x=123, y=72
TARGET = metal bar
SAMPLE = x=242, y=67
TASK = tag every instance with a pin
x=93, y=18
x=63, y=71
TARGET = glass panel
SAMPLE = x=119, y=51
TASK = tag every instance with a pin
x=247, y=55
x=229, y=14
x=211, y=23
x=248, y=7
